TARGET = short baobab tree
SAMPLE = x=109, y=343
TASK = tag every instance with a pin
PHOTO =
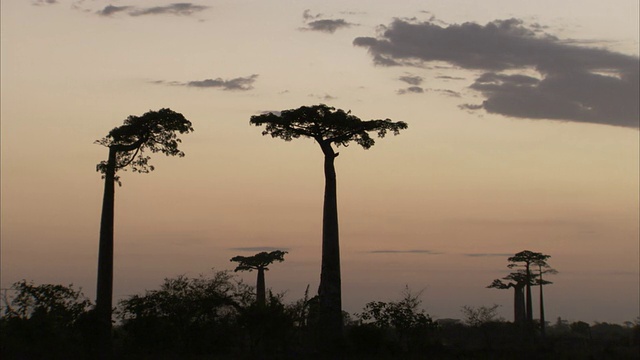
x=156, y=132
x=327, y=126
x=259, y=262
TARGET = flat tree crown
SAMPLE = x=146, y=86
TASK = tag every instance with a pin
x=325, y=124
x=155, y=131
x=258, y=261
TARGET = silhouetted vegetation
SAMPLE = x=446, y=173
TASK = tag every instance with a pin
x=217, y=317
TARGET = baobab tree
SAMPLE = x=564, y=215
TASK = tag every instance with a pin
x=517, y=281
x=524, y=261
x=543, y=268
x=154, y=131
x=259, y=262
x=327, y=126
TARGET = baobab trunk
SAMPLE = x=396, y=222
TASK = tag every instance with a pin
x=261, y=294
x=529, y=302
x=519, y=305
x=104, y=291
x=330, y=292
x=542, y=324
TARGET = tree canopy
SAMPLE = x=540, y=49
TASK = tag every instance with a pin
x=155, y=131
x=258, y=261
x=324, y=124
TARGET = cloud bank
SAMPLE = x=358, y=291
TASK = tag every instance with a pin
x=569, y=82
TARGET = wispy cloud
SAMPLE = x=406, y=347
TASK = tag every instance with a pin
x=235, y=84
x=415, y=251
x=325, y=97
x=488, y=255
x=411, y=90
x=411, y=79
x=316, y=23
x=177, y=9
x=571, y=82
x=258, y=248
x=110, y=10
x=43, y=2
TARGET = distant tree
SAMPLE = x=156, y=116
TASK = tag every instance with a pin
x=154, y=131
x=403, y=318
x=480, y=315
x=543, y=268
x=526, y=260
x=259, y=262
x=327, y=126
x=517, y=281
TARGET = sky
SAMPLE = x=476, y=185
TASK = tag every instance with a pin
x=523, y=135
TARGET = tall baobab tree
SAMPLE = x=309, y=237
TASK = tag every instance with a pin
x=543, y=268
x=259, y=262
x=154, y=131
x=525, y=261
x=327, y=126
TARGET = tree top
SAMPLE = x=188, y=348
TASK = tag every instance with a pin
x=327, y=125
x=155, y=131
x=258, y=261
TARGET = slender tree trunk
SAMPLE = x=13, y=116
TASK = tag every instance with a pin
x=519, y=305
x=542, y=321
x=104, y=291
x=529, y=302
x=261, y=294
x=329, y=292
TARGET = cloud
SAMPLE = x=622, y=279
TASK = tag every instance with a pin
x=178, y=9
x=325, y=97
x=236, y=84
x=43, y=2
x=488, y=255
x=571, y=82
x=110, y=10
x=182, y=9
x=323, y=25
x=411, y=90
x=259, y=249
x=411, y=79
x=428, y=252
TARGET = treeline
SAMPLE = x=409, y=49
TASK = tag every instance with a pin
x=217, y=317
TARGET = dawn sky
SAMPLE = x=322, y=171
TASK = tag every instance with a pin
x=523, y=134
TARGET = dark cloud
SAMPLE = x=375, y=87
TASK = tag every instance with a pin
x=411, y=90
x=179, y=9
x=446, y=77
x=240, y=83
x=258, y=249
x=428, y=252
x=315, y=23
x=183, y=9
x=110, y=10
x=411, y=79
x=573, y=83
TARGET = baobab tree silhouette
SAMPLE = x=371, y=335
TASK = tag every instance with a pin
x=327, y=126
x=155, y=131
x=259, y=262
